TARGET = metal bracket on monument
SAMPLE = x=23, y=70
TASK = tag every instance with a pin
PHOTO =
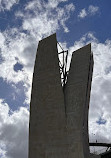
x=63, y=66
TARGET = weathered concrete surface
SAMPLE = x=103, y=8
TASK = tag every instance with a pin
x=59, y=121
x=77, y=93
x=94, y=156
x=47, y=131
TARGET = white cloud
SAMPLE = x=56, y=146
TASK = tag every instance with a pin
x=7, y=4
x=82, y=14
x=42, y=4
x=2, y=39
x=13, y=132
x=54, y=3
x=64, y=14
x=12, y=48
x=17, y=47
x=47, y=17
x=92, y=10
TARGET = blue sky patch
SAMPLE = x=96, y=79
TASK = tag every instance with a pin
x=18, y=67
x=101, y=121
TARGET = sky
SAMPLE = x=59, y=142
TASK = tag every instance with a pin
x=22, y=24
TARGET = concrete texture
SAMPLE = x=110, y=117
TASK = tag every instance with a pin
x=59, y=120
x=94, y=156
x=77, y=94
x=47, y=134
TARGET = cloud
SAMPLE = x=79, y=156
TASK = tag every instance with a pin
x=46, y=17
x=50, y=4
x=7, y=4
x=54, y=3
x=92, y=10
x=82, y=14
x=13, y=132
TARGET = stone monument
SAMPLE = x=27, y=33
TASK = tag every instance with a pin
x=58, y=125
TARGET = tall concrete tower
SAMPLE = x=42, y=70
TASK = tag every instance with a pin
x=59, y=113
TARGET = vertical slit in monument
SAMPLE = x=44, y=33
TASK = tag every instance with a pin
x=63, y=66
x=63, y=56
